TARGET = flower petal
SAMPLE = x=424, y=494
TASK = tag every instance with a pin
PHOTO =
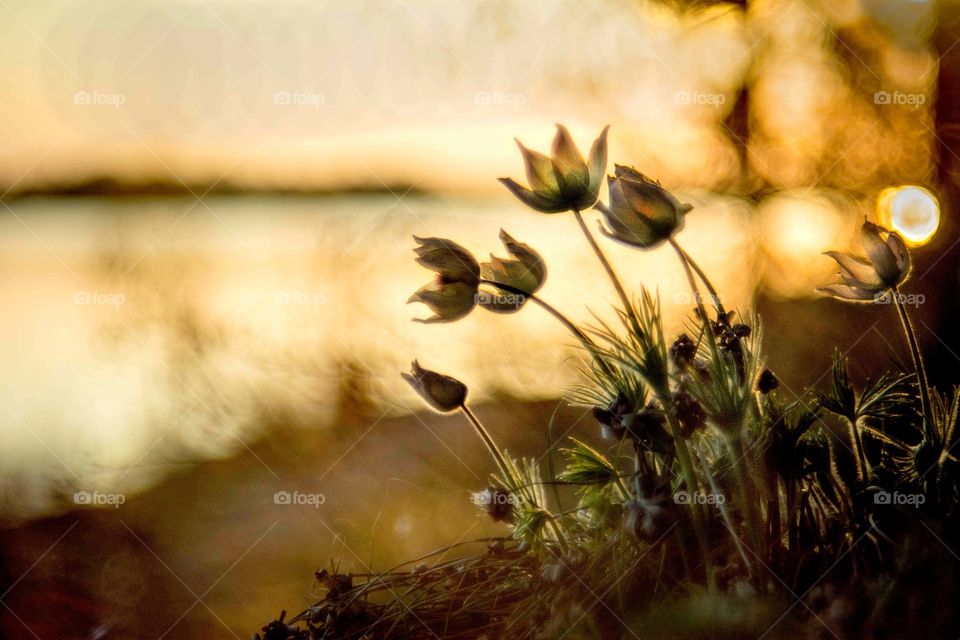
x=535, y=201
x=451, y=261
x=900, y=253
x=448, y=301
x=848, y=293
x=855, y=271
x=572, y=174
x=879, y=254
x=597, y=162
x=540, y=174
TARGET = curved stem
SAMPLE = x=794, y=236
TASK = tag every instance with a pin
x=488, y=441
x=700, y=274
x=549, y=308
x=917, y=358
x=708, y=329
x=608, y=268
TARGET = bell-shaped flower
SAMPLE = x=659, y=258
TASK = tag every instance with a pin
x=453, y=293
x=525, y=272
x=565, y=180
x=441, y=392
x=886, y=266
x=641, y=212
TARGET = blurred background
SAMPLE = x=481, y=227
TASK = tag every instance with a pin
x=205, y=255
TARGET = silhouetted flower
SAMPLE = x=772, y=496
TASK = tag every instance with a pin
x=564, y=181
x=641, y=212
x=454, y=292
x=497, y=502
x=767, y=382
x=526, y=271
x=683, y=351
x=886, y=266
x=690, y=413
x=441, y=392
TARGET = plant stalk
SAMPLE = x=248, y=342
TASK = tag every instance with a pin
x=549, y=308
x=488, y=441
x=701, y=274
x=609, y=269
x=917, y=359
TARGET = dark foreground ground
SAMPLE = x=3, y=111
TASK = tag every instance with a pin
x=208, y=553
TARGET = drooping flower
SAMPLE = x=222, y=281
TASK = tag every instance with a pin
x=441, y=392
x=525, y=271
x=886, y=266
x=641, y=212
x=565, y=180
x=453, y=293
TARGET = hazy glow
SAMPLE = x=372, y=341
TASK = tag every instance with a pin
x=911, y=211
x=795, y=229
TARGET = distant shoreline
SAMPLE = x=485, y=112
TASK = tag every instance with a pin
x=111, y=188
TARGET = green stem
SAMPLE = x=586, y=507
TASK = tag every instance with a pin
x=708, y=329
x=700, y=273
x=860, y=454
x=917, y=359
x=609, y=269
x=488, y=441
x=549, y=308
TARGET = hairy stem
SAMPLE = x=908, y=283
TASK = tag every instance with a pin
x=628, y=308
x=708, y=329
x=700, y=273
x=917, y=359
x=549, y=308
x=488, y=441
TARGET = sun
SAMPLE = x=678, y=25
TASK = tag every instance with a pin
x=911, y=211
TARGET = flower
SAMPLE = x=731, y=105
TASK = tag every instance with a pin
x=441, y=392
x=525, y=272
x=886, y=266
x=563, y=181
x=641, y=212
x=454, y=292
x=497, y=502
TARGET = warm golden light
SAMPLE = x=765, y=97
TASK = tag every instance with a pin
x=911, y=211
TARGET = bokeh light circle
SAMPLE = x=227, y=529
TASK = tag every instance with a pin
x=911, y=211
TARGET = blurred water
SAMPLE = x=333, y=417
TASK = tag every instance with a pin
x=143, y=332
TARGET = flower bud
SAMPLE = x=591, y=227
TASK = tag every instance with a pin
x=526, y=271
x=441, y=392
x=641, y=212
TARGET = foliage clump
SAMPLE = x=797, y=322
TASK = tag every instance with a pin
x=716, y=505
